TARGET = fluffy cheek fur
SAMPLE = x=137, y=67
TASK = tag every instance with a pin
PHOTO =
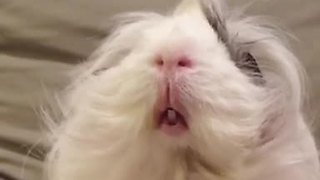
x=112, y=114
x=228, y=116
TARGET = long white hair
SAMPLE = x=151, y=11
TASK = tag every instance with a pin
x=244, y=99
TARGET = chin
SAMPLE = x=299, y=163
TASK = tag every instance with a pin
x=201, y=93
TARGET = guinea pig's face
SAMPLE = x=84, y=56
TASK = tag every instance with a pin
x=171, y=80
x=179, y=80
x=189, y=78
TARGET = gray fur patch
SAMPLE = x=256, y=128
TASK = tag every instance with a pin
x=217, y=16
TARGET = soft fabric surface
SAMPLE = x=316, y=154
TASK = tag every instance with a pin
x=41, y=40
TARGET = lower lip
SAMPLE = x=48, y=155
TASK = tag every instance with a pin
x=173, y=130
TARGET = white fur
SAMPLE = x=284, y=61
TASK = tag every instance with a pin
x=239, y=130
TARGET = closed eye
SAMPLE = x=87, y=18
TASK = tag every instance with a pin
x=250, y=63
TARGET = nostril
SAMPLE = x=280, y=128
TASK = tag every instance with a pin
x=184, y=62
x=181, y=62
x=159, y=62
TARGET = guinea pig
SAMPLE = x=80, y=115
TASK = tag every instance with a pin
x=201, y=93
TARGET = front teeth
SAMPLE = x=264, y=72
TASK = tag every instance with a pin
x=172, y=115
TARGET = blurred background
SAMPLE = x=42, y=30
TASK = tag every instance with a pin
x=40, y=40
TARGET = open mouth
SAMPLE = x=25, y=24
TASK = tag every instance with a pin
x=172, y=122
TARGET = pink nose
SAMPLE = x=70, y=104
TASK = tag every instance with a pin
x=173, y=63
